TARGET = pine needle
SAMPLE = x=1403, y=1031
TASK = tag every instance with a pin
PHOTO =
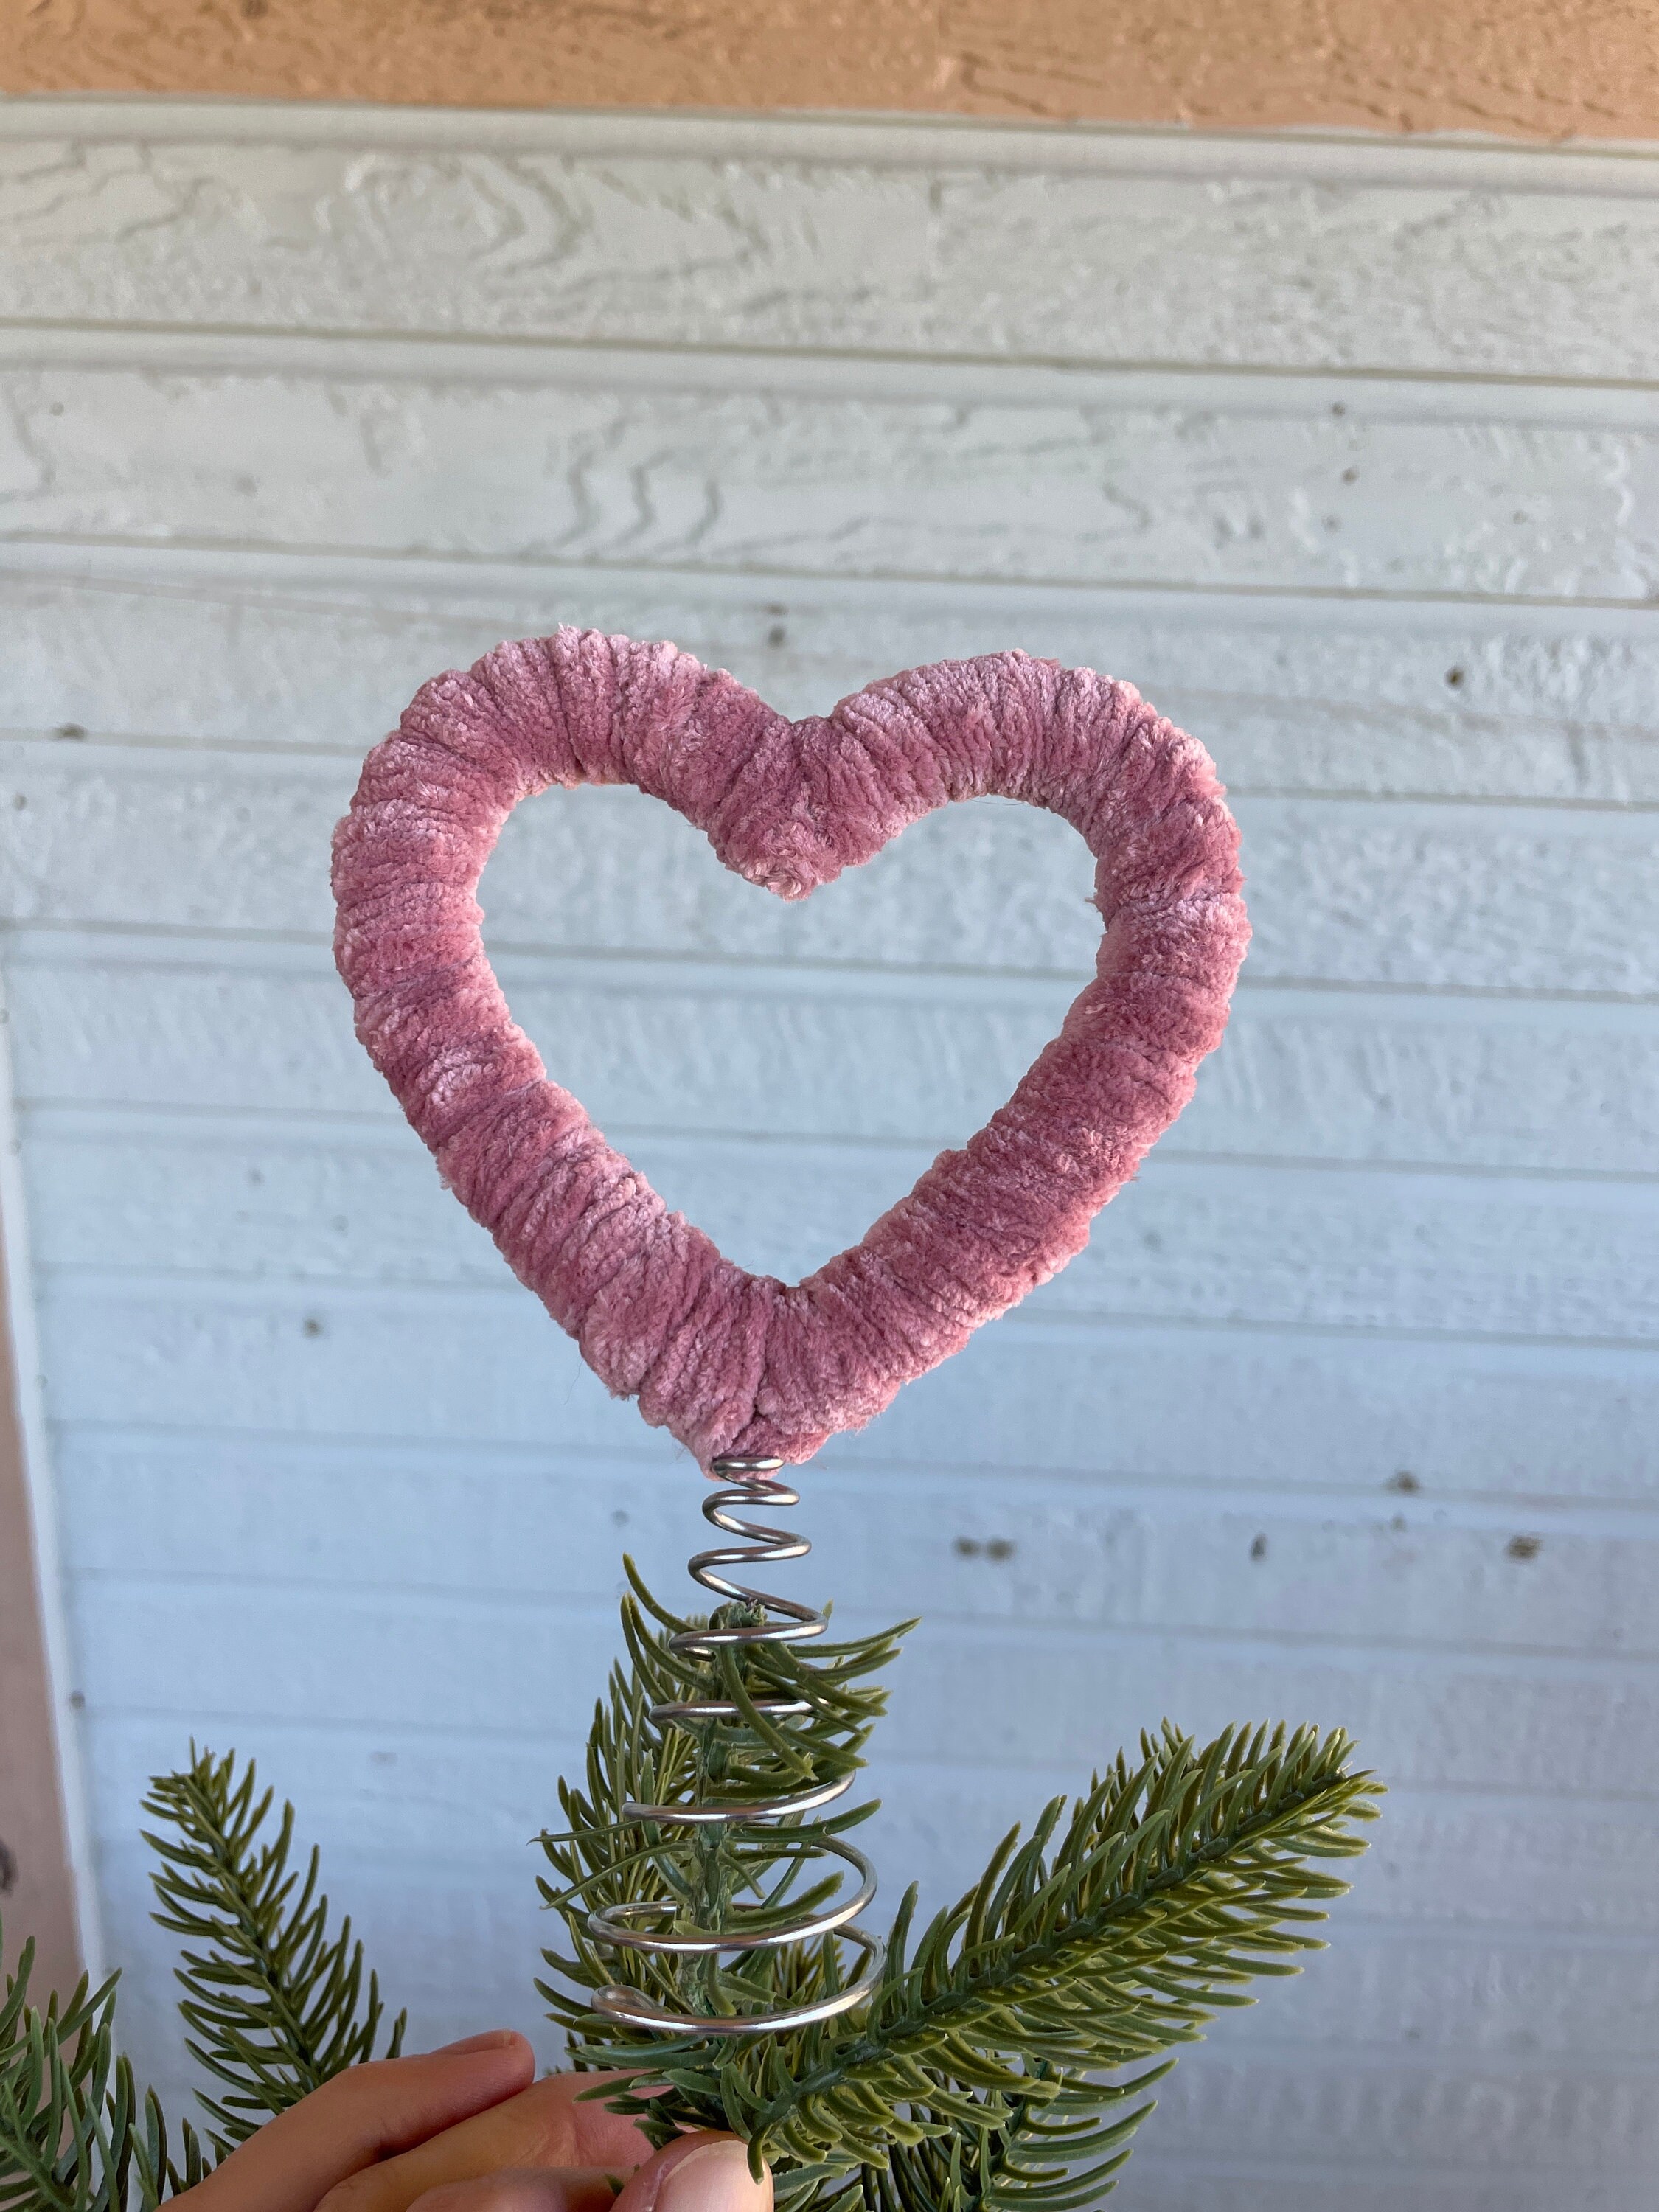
x=970, y=2081
x=1000, y=2064
x=274, y=2006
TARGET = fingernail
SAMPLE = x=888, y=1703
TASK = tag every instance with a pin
x=715, y=2177
x=495, y=2039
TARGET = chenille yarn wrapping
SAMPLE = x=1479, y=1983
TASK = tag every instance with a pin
x=728, y=1361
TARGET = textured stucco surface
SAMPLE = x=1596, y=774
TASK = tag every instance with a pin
x=1549, y=68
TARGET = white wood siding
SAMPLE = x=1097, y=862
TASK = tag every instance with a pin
x=1348, y=453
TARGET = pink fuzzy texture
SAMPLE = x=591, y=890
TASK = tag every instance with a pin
x=727, y=1360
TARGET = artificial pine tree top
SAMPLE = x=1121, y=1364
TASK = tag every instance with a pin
x=968, y=2076
x=969, y=2080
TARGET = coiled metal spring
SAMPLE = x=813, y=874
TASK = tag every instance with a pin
x=628, y=1927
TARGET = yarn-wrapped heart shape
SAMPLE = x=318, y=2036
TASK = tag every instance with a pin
x=728, y=1361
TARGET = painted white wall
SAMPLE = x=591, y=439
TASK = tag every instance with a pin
x=1347, y=453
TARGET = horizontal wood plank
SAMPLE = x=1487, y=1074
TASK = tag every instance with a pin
x=425, y=1927
x=466, y=1906
x=1396, y=700
x=1466, y=1871
x=1107, y=247
x=1188, y=1241
x=1382, y=1566
x=1230, y=2111
x=1352, y=891
x=1302, y=1075
x=1195, y=1403
x=743, y=464
x=1169, y=2183
x=1042, y=1696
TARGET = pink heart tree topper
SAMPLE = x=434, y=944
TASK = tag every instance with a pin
x=728, y=1361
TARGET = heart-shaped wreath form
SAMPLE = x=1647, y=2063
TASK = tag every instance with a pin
x=727, y=1360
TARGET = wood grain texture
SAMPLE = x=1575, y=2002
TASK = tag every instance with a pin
x=1590, y=68
x=302, y=654
x=1303, y=486
x=1104, y=246
x=1450, y=1082
x=992, y=887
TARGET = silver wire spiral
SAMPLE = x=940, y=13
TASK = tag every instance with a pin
x=627, y=1927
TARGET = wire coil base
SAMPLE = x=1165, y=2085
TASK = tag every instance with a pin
x=628, y=1927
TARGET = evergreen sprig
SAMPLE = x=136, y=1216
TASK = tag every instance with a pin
x=1172, y=1884
x=75, y=2135
x=1058, y=2153
x=274, y=2006
x=969, y=2079
x=602, y=1859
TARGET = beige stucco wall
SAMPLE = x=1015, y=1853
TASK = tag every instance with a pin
x=1549, y=68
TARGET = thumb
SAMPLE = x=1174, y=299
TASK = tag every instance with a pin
x=699, y=2173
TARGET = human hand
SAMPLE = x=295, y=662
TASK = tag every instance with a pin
x=468, y=2129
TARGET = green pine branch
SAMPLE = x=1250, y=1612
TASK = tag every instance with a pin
x=601, y=1860
x=75, y=2135
x=274, y=2006
x=1000, y=2064
x=1172, y=1886
x=970, y=2080
x=1056, y=2153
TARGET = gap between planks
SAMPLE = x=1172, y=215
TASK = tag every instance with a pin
x=78, y=1122
x=350, y=352
x=1464, y=1511
x=824, y=372
x=458, y=585
x=76, y=747
x=1507, y=1662
x=837, y=138
x=134, y=944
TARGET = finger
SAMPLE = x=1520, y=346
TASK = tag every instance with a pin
x=699, y=2173
x=488, y=2041
x=570, y=2189
x=543, y=2127
x=598, y=2135
x=361, y=2116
